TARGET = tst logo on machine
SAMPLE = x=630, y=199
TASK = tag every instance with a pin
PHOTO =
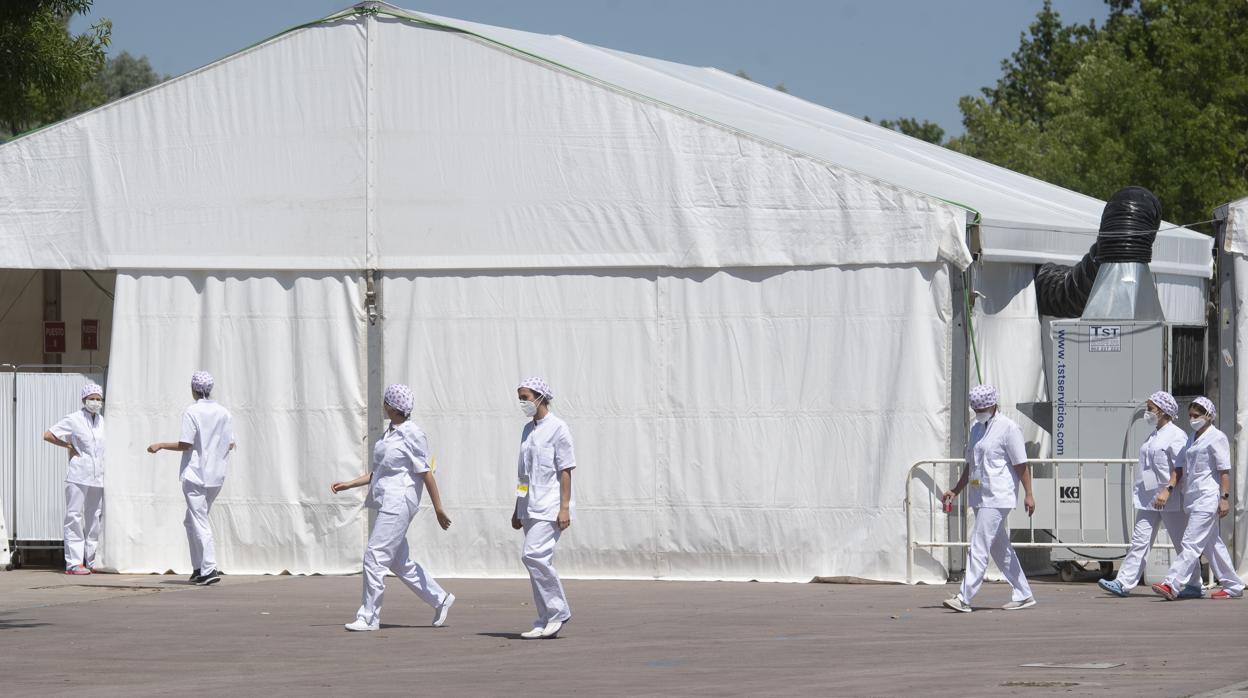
x=1104, y=338
x=1068, y=494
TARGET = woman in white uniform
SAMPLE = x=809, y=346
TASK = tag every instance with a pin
x=82, y=434
x=996, y=462
x=1158, y=458
x=399, y=474
x=205, y=442
x=544, y=503
x=1205, y=500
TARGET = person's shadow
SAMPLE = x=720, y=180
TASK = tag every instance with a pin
x=504, y=636
x=15, y=623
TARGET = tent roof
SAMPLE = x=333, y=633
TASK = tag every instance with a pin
x=1021, y=218
x=782, y=181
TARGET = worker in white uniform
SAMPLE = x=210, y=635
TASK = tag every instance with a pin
x=206, y=439
x=82, y=433
x=1158, y=458
x=545, y=507
x=399, y=474
x=996, y=462
x=1206, y=457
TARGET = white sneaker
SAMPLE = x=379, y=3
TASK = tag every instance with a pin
x=1020, y=605
x=359, y=626
x=552, y=628
x=533, y=634
x=956, y=603
x=439, y=615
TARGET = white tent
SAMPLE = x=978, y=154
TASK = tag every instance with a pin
x=1233, y=398
x=743, y=300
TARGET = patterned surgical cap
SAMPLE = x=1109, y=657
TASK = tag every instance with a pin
x=400, y=397
x=1165, y=402
x=90, y=389
x=982, y=397
x=537, y=385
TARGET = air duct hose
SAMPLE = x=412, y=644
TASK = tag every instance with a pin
x=1129, y=226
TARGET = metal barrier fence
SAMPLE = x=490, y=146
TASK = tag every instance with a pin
x=1058, y=506
x=32, y=473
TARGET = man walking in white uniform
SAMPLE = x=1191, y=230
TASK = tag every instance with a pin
x=205, y=442
x=996, y=461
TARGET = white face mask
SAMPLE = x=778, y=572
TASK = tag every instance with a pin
x=1199, y=423
x=1151, y=418
x=94, y=406
x=983, y=417
x=528, y=408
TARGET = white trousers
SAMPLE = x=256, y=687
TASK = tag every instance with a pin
x=549, y=598
x=387, y=550
x=1202, y=535
x=199, y=501
x=84, y=509
x=1142, y=536
x=991, y=535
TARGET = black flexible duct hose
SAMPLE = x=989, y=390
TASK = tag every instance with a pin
x=1129, y=226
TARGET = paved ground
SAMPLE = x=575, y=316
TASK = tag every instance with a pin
x=147, y=635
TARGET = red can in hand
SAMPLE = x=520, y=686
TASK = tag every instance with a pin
x=948, y=507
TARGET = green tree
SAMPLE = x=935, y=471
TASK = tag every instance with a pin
x=43, y=68
x=1157, y=97
x=923, y=130
x=124, y=75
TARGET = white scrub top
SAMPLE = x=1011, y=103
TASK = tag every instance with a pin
x=545, y=451
x=208, y=428
x=1158, y=456
x=1201, y=460
x=85, y=432
x=400, y=457
x=992, y=452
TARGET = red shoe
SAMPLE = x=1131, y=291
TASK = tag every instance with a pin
x=1224, y=594
x=1166, y=591
x=77, y=569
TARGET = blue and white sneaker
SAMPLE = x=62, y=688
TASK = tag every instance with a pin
x=1113, y=586
x=1191, y=591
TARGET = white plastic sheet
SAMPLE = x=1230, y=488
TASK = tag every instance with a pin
x=1238, y=433
x=732, y=424
x=287, y=353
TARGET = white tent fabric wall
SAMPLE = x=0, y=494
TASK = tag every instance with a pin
x=287, y=351
x=1236, y=240
x=233, y=166
x=540, y=167
x=731, y=424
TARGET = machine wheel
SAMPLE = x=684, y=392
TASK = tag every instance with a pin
x=1069, y=571
x=1107, y=570
x=15, y=560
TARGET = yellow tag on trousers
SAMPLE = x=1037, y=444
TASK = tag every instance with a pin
x=522, y=490
x=975, y=483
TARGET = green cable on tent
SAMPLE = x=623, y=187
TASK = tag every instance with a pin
x=970, y=330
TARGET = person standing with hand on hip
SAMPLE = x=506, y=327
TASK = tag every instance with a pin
x=399, y=475
x=1204, y=473
x=205, y=443
x=545, y=507
x=996, y=461
x=82, y=434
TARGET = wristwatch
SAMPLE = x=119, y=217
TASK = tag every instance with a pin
x=1226, y=495
x=1169, y=488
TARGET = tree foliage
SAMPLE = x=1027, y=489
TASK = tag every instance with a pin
x=1158, y=97
x=43, y=68
x=923, y=130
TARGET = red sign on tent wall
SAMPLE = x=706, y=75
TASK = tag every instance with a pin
x=53, y=337
x=90, y=335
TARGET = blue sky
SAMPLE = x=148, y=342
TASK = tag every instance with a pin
x=883, y=58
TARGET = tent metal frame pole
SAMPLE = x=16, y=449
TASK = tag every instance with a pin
x=959, y=384
x=1225, y=324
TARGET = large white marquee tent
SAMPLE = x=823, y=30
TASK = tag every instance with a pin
x=745, y=302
